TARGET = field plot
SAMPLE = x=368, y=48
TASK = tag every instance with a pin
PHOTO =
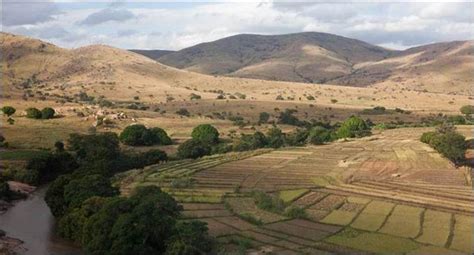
x=387, y=193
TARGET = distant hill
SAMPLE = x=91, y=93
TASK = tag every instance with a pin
x=302, y=57
x=153, y=54
x=330, y=59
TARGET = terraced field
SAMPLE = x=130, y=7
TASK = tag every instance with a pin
x=387, y=193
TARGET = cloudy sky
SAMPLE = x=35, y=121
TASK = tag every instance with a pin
x=171, y=25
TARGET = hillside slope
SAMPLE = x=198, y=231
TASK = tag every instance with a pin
x=330, y=59
x=303, y=57
x=36, y=70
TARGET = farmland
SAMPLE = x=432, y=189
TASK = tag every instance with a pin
x=387, y=193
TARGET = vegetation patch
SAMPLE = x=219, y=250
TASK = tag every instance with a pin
x=21, y=154
x=372, y=242
x=404, y=221
x=339, y=217
x=373, y=216
x=290, y=195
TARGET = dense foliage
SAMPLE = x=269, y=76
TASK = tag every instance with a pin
x=193, y=149
x=319, y=135
x=33, y=113
x=8, y=110
x=205, y=133
x=47, y=113
x=448, y=142
x=140, y=135
x=353, y=127
x=467, y=109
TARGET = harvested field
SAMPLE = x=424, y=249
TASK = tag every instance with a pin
x=388, y=193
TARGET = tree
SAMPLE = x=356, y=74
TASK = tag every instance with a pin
x=47, y=113
x=191, y=238
x=275, y=138
x=160, y=136
x=8, y=110
x=44, y=168
x=353, y=127
x=33, y=113
x=206, y=134
x=467, y=109
x=141, y=224
x=55, y=195
x=78, y=190
x=319, y=135
x=250, y=142
x=288, y=118
x=452, y=145
x=59, y=146
x=135, y=135
x=263, y=117
x=103, y=146
x=193, y=149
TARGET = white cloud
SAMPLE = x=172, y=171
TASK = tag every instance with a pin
x=389, y=24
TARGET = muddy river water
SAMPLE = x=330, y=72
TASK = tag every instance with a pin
x=31, y=221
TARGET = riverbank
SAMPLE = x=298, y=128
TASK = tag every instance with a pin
x=30, y=222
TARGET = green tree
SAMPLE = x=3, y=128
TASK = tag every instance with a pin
x=78, y=190
x=93, y=147
x=55, y=195
x=193, y=149
x=452, y=145
x=353, y=127
x=47, y=113
x=8, y=110
x=275, y=138
x=160, y=136
x=141, y=224
x=190, y=238
x=319, y=135
x=33, y=113
x=135, y=135
x=206, y=134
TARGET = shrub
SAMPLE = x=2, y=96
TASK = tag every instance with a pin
x=353, y=127
x=250, y=142
x=263, y=117
x=206, y=134
x=452, y=145
x=221, y=96
x=319, y=135
x=95, y=147
x=295, y=212
x=47, y=113
x=193, y=149
x=297, y=138
x=33, y=113
x=8, y=110
x=275, y=138
x=279, y=97
x=333, y=101
x=467, y=109
x=191, y=238
x=427, y=136
x=194, y=96
x=183, y=112
x=268, y=202
x=288, y=118
x=44, y=168
x=78, y=190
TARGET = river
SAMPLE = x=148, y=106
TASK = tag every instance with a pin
x=31, y=221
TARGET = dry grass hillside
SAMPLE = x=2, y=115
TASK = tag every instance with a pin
x=35, y=69
x=330, y=59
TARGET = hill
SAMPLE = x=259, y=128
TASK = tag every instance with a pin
x=330, y=59
x=303, y=57
x=33, y=70
x=153, y=54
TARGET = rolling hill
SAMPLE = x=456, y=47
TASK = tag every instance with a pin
x=35, y=69
x=330, y=59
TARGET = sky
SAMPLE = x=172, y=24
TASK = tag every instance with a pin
x=177, y=25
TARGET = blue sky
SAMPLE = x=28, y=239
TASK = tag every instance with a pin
x=176, y=25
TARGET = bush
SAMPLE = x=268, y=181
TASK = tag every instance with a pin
x=194, y=96
x=295, y=212
x=78, y=190
x=263, y=117
x=268, y=202
x=250, y=142
x=319, y=135
x=193, y=149
x=136, y=135
x=275, y=138
x=288, y=118
x=95, y=147
x=42, y=169
x=47, y=113
x=353, y=127
x=427, y=136
x=451, y=145
x=183, y=112
x=33, y=113
x=206, y=134
x=297, y=138
x=191, y=238
x=467, y=109
x=8, y=110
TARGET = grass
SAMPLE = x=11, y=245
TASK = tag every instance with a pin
x=373, y=216
x=339, y=217
x=290, y=195
x=21, y=154
x=372, y=242
x=462, y=239
x=436, y=228
x=404, y=221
